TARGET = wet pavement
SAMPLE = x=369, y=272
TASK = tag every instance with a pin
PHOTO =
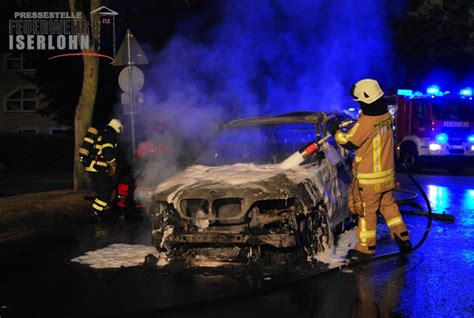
x=38, y=280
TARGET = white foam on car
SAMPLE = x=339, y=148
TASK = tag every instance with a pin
x=249, y=174
x=120, y=255
x=335, y=256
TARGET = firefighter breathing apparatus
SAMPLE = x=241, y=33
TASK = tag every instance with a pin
x=85, y=152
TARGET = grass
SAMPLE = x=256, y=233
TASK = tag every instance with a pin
x=25, y=215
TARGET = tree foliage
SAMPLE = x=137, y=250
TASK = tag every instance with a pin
x=437, y=34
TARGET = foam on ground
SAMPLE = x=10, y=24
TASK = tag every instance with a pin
x=335, y=256
x=120, y=255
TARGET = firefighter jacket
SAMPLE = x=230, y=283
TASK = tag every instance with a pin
x=104, y=152
x=372, y=139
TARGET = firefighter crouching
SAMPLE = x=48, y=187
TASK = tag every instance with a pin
x=374, y=169
x=99, y=155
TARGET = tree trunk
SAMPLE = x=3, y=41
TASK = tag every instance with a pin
x=85, y=106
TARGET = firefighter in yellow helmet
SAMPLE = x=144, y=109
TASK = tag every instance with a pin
x=374, y=169
x=102, y=168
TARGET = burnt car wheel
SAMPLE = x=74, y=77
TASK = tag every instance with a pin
x=314, y=232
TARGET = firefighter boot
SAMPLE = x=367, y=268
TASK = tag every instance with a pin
x=404, y=245
x=109, y=215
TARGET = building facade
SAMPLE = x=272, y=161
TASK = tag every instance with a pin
x=20, y=100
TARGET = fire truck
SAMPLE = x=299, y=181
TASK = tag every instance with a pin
x=434, y=127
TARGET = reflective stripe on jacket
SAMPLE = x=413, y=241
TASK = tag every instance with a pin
x=104, y=151
x=372, y=136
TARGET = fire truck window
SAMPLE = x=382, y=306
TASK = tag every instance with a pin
x=453, y=109
x=421, y=113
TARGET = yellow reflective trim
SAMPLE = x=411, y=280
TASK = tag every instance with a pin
x=368, y=234
x=97, y=207
x=98, y=201
x=91, y=168
x=111, y=161
x=376, y=181
x=358, y=159
x=83, y=151
x=363, y=229
x=107, y=145
x=376, y=175
x=395, y=221
x=377, y=153
x=89, y=140
x=92, y=130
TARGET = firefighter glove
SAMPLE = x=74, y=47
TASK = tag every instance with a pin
x=332, y=126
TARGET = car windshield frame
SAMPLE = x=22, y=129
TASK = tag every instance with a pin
x=257, y=144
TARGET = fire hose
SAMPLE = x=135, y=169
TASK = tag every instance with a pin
x=298, y=158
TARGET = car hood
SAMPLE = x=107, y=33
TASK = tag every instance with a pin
x=309, y=184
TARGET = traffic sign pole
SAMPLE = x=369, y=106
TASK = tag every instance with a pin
x=130, y=54
x=132, y=101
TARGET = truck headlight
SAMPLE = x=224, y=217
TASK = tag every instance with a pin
x=472, y=148
x=435, y=147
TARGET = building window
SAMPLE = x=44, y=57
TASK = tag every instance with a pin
x=27, y=130
x=17, y=62
x=24, y=99
x=61, y=131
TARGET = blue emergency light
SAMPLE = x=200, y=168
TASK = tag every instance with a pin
x=467, y=91
x=405, y=92
x=470, y=139
x=433, y=90
x=442, y=138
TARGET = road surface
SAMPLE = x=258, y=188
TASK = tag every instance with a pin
x=38, y=279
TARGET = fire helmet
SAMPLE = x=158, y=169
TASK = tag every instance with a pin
x=116, y=125
x=366, y=91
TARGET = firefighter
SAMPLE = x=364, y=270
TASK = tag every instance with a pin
x=103, y=167
x=374, y=169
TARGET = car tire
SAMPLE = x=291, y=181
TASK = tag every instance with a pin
x=409, y=157
x=314, y=232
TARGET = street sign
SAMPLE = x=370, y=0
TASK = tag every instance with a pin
x=130, y=52
x=127, y=109
x=131, y=79
x=137, y=99
x=131, y=74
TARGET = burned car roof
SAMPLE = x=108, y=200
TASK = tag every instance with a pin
x=294, y=117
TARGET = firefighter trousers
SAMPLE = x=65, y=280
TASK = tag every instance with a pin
x=373, y=202
x=103, y=186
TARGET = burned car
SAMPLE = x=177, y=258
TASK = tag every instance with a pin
x=238, y=200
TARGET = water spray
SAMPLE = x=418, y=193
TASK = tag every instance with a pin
x=322, y=144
